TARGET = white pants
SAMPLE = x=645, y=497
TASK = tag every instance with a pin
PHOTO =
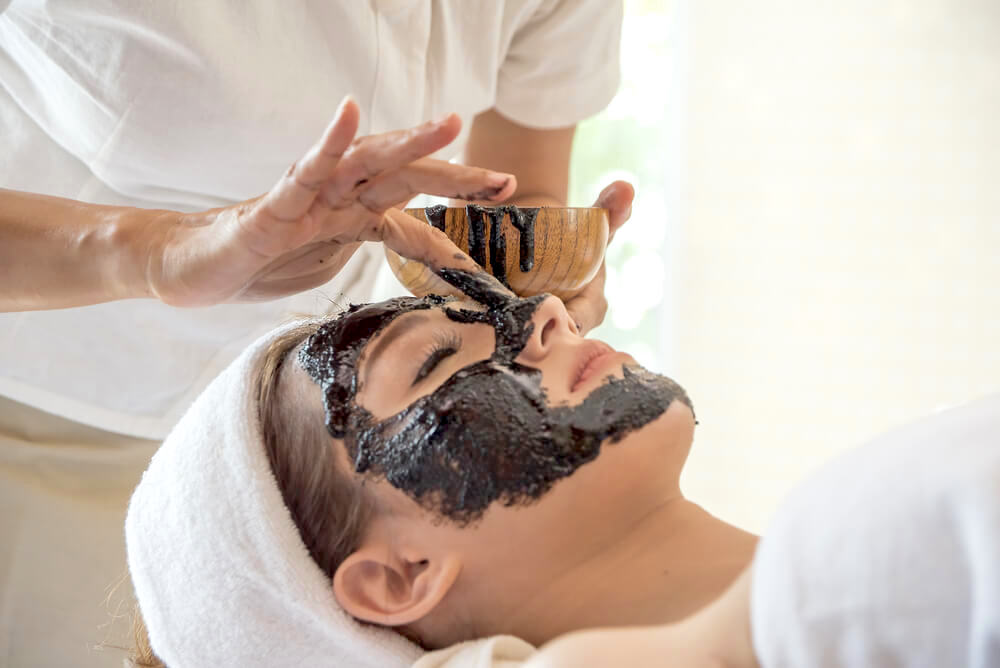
x=65, y=596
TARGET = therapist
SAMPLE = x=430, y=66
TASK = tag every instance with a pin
x=158, y=155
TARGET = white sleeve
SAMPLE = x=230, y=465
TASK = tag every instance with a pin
x=495, y=652
x=562, y=64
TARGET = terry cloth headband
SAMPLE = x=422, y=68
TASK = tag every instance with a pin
x=220, y=572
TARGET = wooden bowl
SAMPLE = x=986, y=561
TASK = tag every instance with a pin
x=547, y=249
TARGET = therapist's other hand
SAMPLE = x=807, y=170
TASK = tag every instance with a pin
x=302, y=232
x=589, y=306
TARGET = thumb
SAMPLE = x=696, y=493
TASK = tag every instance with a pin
x=617, y=199
x=414, y=239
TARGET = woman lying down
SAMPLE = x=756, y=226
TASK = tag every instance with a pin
x=417, y=473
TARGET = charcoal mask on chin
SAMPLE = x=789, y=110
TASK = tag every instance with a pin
x=487, y=433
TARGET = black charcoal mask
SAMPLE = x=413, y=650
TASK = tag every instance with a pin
x=487, y=433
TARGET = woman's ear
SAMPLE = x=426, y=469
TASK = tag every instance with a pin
x=378, y=585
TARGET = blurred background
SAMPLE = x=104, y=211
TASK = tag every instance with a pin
x=814, y=251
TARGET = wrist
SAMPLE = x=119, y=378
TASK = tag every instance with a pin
x=136, y=239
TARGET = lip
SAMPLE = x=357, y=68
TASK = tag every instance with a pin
x=594, y=356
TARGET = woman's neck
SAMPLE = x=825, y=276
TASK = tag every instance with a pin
x=675, y=561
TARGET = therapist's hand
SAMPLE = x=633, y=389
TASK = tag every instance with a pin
x=302, y=232
x=589, y=306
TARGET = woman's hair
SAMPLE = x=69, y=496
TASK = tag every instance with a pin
x=328, y=507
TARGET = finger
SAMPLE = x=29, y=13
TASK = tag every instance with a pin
x=291, y=198
x=370, y=156
x=617, y=199
x=589, y=307
x=415, y=240
x=437, y=177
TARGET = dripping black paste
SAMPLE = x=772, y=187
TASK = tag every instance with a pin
x=523, y=220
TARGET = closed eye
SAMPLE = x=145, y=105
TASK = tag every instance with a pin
x=444, y=346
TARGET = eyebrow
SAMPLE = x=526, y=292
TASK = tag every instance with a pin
x=394, y=331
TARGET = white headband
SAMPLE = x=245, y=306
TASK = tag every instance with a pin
x=220, y=572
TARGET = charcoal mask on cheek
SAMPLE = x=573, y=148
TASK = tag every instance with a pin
x=487, y=433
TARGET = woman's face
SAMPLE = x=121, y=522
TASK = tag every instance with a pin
x=491, y=430
x=462, y=405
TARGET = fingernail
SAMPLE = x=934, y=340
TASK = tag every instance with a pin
x=498, y=179
x=343, y=104
x=444, y=119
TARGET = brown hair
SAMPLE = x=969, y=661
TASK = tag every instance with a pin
x=329, y=508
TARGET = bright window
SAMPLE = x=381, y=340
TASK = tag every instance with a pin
x=634, y=140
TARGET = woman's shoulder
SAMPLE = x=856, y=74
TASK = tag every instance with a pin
x=494, y=652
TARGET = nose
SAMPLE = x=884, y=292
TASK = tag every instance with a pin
x=552, y=322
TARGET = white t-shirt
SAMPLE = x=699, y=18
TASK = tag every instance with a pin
x=193, y=105
x=890, y=555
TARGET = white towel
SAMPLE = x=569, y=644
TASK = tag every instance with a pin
x=890, y=555
x=220, y=572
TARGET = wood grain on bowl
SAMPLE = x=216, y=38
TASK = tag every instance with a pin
x=532, y=250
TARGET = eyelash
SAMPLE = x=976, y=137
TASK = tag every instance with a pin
x=444, y=345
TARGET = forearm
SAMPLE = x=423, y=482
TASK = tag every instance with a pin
x=538, y=158
x=58, y=253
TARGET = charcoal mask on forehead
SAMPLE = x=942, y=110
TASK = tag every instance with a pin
x=487, y=433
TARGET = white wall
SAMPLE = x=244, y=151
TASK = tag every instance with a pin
x=836, y=261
